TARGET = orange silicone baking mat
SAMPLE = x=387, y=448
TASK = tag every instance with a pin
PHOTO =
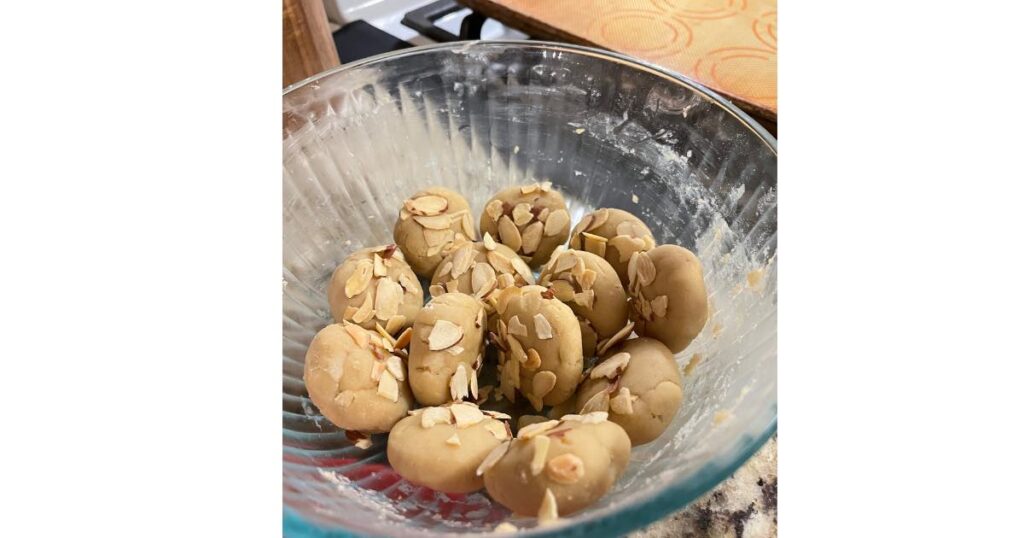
x=727, y=45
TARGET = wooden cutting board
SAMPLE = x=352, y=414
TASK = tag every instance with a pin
x=727, y=45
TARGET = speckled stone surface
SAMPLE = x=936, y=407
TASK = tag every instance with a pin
x=744, y=506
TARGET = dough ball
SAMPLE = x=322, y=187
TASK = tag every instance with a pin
x=540, y=346
x=480, y=268
x=429, y=223
x=375, y=285
x=354, y=381
x=441, y=449
x=531, y=220
x=446, y=350
x=591, y=288
x=577, y=459
x=638, y=384
x=614, y=235
x=668, y=298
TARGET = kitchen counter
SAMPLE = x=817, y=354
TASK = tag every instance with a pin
x=744, y=506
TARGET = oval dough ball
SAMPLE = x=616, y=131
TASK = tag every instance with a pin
x=375, y=285
x=577, y=459
x=614, y=235
x=446, y=350
x=589, y=285
x=479, y=268
x=429, y=223
x=540, y=346
x=638, y=385
x=668, y=298
x=433, y=448
x=531, y=220
x=354, y=381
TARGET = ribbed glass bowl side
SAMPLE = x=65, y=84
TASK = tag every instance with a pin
x=608, y=131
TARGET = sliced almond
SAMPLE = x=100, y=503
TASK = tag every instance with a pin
x=597, y=402
x=595, y=244
x=402, y=341
x=359, y=279
x=363, y=443
x=396, y=367
x=645, y=270
x=359, y=334
x=516, y=328
x=521, y=214
x=435, y=415
x=483, y=279
x=622, y=403
x=500, y=263
x=535, y=402
x=452, y=286
x=389, y=297
x=594, y=417
x=458, y=385
x=516, y=349
x=545, y=186
x=564, y=262
x=453, y=440
x=567, y=468
x=543, y=382
x=548, y=511
x=523, y=270
x=578, y=269
x=365, y=311
x=345, y=398
x=600, y=217
x=489, y=243
x=443, y=270
x=583, y=226
x=585, y=298
x=444, y=335
x=394, y=323
x=611, y=367
x=532, y=359
x=660, y=305
x=506, y=280
x=543, y=216
x=497, y=429
x=492, y=457
x=528, y=189
x=378, y=266
x=509, y=234
x=436, y=222
x=404, y=214
x=631, y=269
x=588, y=279
x=626, y=246
x=474, y=389
x=542, y=326
x=503, y=298
x=429, y=204
x=540, y=444
x=437, y=239
x=531, y=237
x=532, y=430
x=349, y=312
x=388, y=386
x=468, y=227
x=563, y=290
x=494, y=209
x=436, y=290
x=557, y=222
x=466, y=414
x=388, y=340
x=461, y=260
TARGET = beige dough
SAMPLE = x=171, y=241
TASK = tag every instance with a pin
x=638, y=384
x=429, y=223
x=441, y=450
x=614, y=235
x=480, y=268
x=375, y=286
x=354, y=380
x=446, y=351
x=589, y=285
x=577, y=459
x=668, y=298
x=530, y=219
x=540, y=347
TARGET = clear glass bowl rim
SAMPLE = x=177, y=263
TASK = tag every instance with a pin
x=677, y=493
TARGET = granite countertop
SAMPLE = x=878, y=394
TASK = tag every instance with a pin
x=744, y=506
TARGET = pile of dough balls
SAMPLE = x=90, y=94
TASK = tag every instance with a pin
x=392, y=364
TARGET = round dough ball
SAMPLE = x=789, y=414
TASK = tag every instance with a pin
x=668, y=298
x=354, y=381
x=429, y=223
x=531, y=220
x=622, y=234
x=479, y=268
x=642, y=394
x=589, y=285
x=540, y=346
x=578, y=459
x=430, y=448
x=446, y=350
x=375, y=285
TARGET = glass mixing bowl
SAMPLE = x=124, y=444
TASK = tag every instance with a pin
x=609, y=131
